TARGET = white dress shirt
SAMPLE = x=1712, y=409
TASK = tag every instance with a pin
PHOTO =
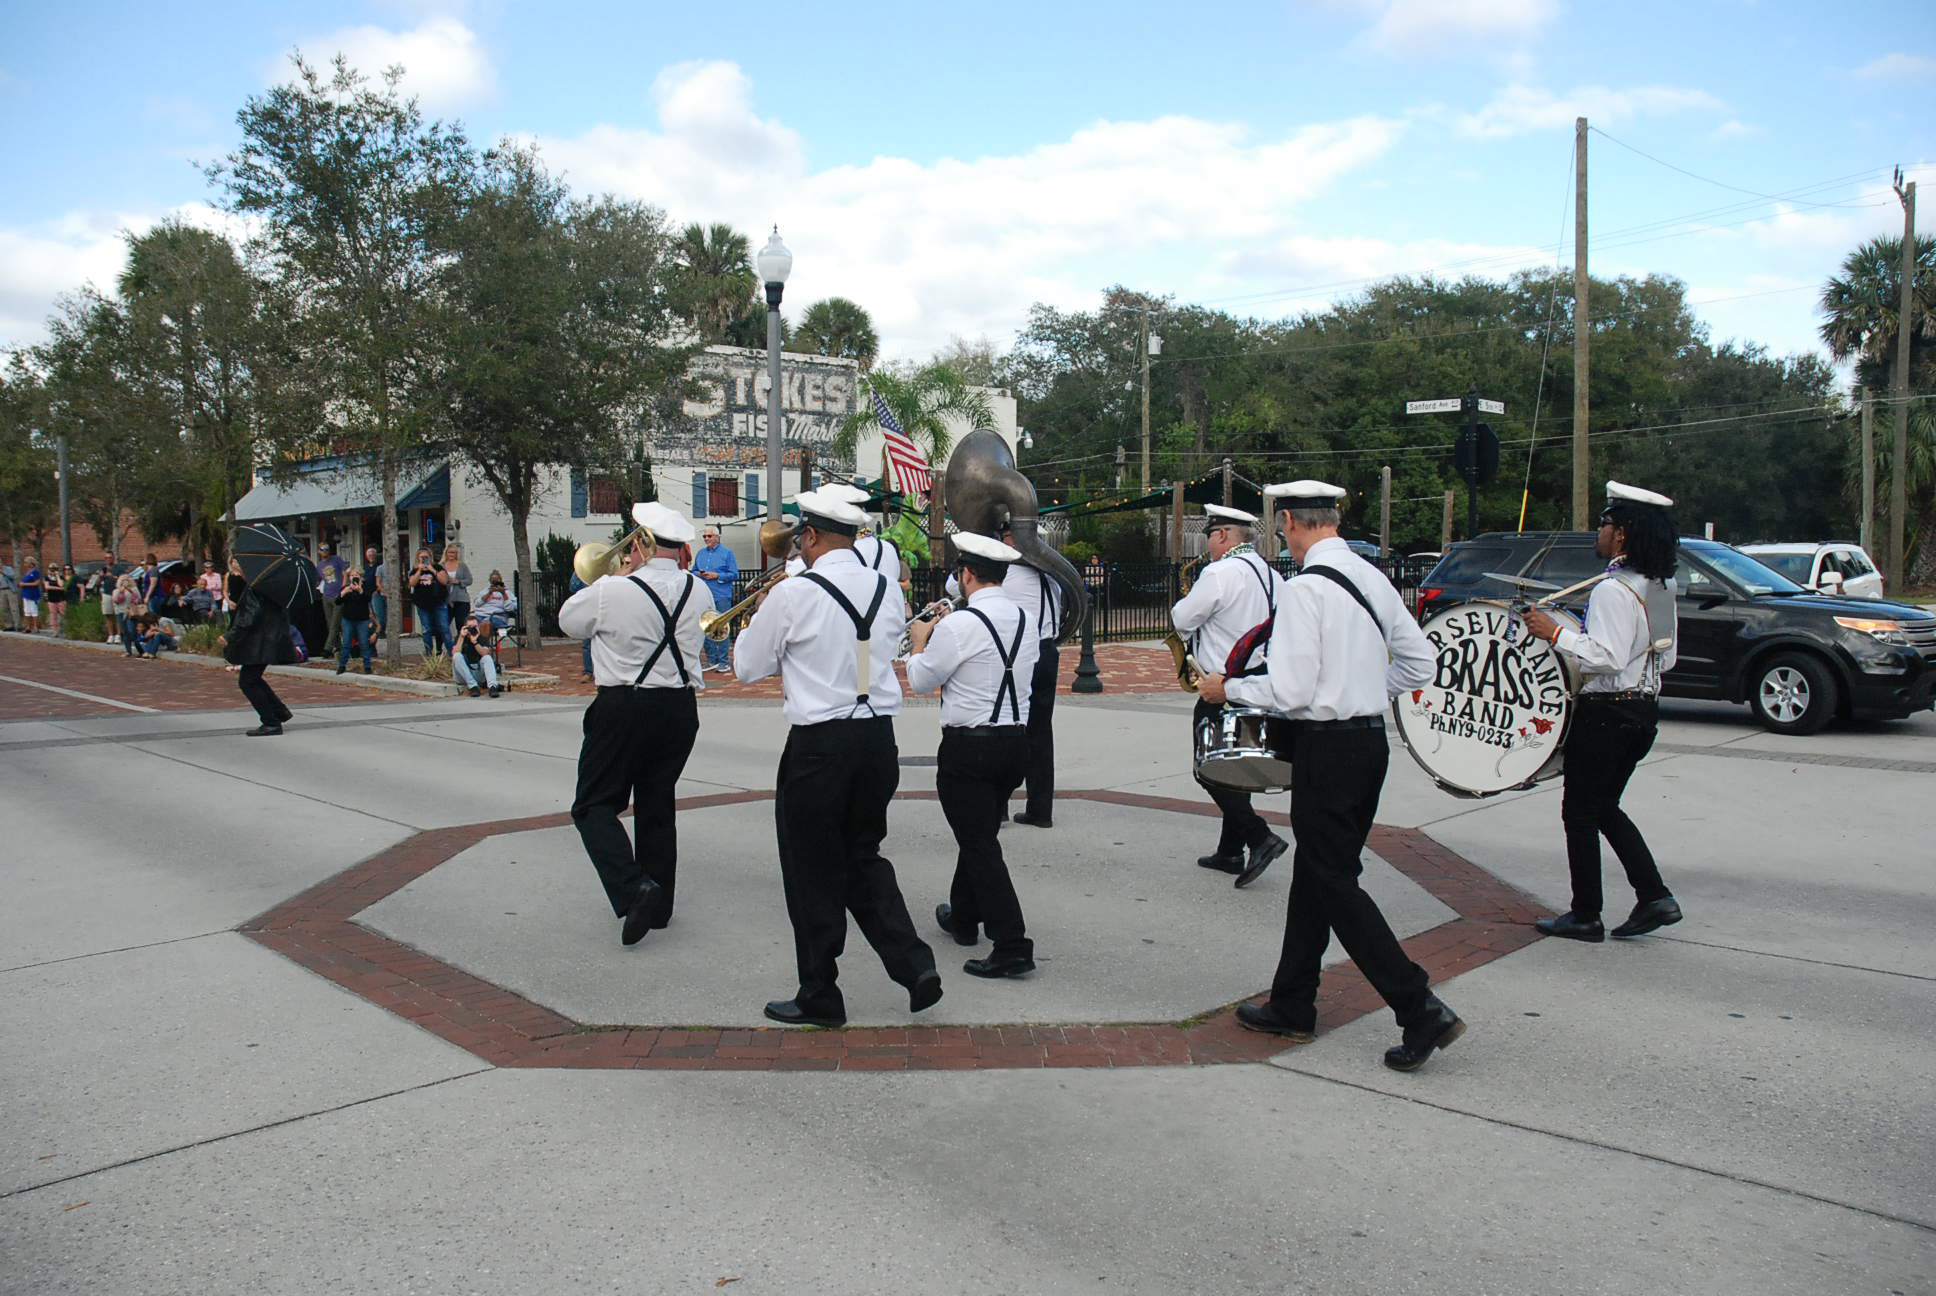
x=1327, y=660
x=1039, y=597
x=625, y=628
x=795, y=565
x=1613, y=649
x=805, y=637
x=878, y=554
x=960, y=660
x=1231, y=596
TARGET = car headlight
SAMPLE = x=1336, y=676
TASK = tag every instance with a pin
x=1889, y=632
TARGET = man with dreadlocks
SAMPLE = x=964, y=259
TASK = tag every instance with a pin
x=1627, y=642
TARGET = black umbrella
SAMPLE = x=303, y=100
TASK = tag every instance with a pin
x=275, y=565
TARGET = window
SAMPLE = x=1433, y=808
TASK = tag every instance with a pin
x=1792, y=565
x=1567, y=565
x=1856, y=563
x=603, y=497
x=722, y=496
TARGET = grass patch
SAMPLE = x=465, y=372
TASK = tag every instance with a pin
x=84, y=621
x=202, y=639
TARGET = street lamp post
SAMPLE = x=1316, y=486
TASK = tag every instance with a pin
x=774, y=264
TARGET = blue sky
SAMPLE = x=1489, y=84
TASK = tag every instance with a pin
x=949, y=169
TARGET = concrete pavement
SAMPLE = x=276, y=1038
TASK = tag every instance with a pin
x=1738, y=1105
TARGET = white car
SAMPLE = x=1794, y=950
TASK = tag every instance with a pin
x=1837, y=568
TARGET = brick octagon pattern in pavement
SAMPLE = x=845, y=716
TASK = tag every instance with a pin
x=315, y=929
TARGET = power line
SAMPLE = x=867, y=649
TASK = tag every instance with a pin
x=1719, y=184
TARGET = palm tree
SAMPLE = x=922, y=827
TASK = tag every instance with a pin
x=1863, y=304
x=839, y=327
x=716, y=279
x=923, y=405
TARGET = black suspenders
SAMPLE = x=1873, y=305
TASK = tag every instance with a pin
x=863, y=625
x=670, y=619
x=1007, y=690
x=1258, y=570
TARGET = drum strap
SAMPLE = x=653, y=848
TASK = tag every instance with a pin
x=666, y=643
x=1344, y=582
x=1007, y=690
x=863, y=631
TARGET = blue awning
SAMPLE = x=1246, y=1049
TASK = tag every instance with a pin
x=433, y=493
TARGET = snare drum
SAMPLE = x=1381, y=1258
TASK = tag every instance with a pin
x=1496, y=714
x=1243, y=749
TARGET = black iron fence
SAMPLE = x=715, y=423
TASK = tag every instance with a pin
x=1131, y=600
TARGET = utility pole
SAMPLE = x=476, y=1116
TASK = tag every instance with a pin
x=1122, y=456
x=1867, y=540
x=67, y=530
x=1384, y=512
x=1445, y=525
x=1582, y=465
x=1227, y=470
x=1899, y=466
x=1146, y=436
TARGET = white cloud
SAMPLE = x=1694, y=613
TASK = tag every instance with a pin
x=964, y=246
x=1910, y=67
x=445, y=65
x=1732, y=129
x=1412, y=27
x=1517, y=109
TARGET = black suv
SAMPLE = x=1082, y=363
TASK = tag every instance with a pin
x=1747, y=633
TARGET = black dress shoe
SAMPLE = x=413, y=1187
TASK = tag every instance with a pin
x=1651, y=916
x=265, y=731
x=1436, y=1030
x=1261, y=856
x=1222, y=863
x=652, y=907
x=944, y=918
x=788, y=1012
x=925, y=993
x=1005, y=965
x=1266, y=1020
x=1573, y=927
x=1034, y=821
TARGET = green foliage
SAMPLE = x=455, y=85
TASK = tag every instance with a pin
x=714, y=288
x=203, y=639
x=838, y=327
x=84, y=621
x=1128, y=538
x=1079, y=551
x=554, y=553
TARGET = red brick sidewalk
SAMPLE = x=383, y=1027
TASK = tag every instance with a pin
x=1126, y=668
x=315, y=929
x=166, y=684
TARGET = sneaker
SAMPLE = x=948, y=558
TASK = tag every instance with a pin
x=474, y=692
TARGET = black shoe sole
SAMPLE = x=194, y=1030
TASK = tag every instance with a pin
x=1291, y=1033
x=828, y=1023
x=999, y=971
x=1585, y=938
x=1031, y=821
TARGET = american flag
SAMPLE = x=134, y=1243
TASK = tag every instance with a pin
x=910, y=465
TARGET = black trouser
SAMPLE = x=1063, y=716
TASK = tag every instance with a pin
x=1336, y=776
x=1243, y=827
x=830, y=811
x=636, y=744
x=1041, y=732
x=1606, y=742
x=974, y=775
x=268, y=707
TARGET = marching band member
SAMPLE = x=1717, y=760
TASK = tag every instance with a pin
x=874, y=551
x=1629, y=640
x=1342, y=646
x=1041, y=599
x=975, y=657
x=643, y=628
x=1236, y=592
x=830, y=634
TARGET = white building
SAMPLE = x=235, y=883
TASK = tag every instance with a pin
x=711, y=465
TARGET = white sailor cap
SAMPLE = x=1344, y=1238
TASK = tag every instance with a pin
x=846, y=492
x=667, y=527
x=1621, y=493
x=986, y=548
x=1218, y=515
x=1304, y=494
x=822, y=512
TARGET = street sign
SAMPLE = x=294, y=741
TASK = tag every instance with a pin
x=1492, y=407
x=1452, y=406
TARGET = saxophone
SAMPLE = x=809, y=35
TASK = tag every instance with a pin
x=1188, y=670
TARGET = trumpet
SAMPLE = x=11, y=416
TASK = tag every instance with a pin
x=776, y=542
x=928, y=613
x=1188, y=669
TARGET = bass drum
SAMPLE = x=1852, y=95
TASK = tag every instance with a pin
x=1244, y=749
x=1496, y=714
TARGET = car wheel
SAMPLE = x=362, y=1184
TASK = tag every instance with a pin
x=1793, y=693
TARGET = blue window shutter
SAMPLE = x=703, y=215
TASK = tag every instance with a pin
x=699, y=506
x=580, y=493
x=754, y=505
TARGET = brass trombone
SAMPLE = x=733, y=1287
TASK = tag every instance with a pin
x=594, y=558
x=1188, y=670
x=776, y=542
